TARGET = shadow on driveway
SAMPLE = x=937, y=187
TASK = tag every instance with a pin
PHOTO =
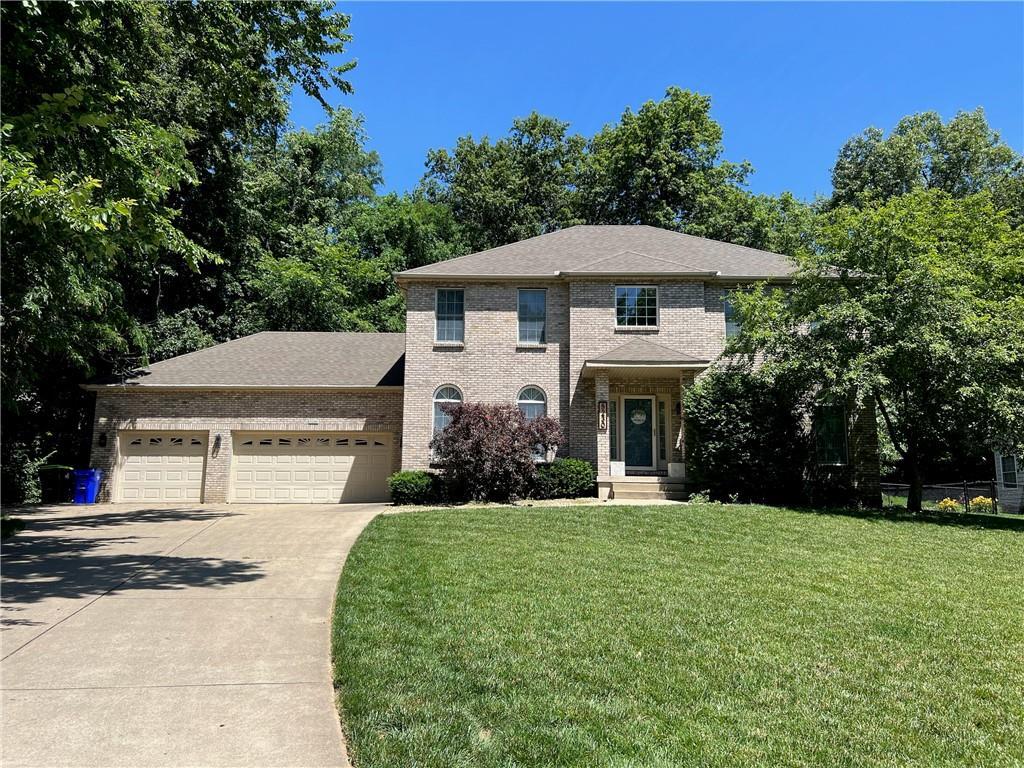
x=73, y=556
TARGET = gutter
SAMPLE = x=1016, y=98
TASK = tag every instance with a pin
x=138, y=387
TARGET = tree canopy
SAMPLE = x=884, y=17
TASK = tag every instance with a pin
x=916, y=304
x=155, y=200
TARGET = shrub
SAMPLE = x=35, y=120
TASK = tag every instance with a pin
x=565, y=479
x=486, y=453
x=949, y=505
x=744, y=438
x=413, y=487
x=982, y=504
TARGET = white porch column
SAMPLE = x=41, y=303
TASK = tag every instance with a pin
x=603, y=446
x=678, y=470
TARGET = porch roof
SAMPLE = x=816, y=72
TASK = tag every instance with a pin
x=638, y=353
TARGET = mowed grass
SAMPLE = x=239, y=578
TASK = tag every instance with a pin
x=680, y=635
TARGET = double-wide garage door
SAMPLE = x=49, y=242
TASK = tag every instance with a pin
x=314, y=467
x=162, y=466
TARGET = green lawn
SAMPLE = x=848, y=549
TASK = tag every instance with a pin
x=680, y=635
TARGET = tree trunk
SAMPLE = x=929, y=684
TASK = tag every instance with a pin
x=914, y=479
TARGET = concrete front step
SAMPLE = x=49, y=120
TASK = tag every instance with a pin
x=632, y=493
x=641, y=487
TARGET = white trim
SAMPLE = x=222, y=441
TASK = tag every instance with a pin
x=227, y=387
x=450, y=342
x=589, y=364
x=615, y=307
x=519, y=341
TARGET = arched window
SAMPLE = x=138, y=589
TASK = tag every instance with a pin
x=445, y=395
x=532, y=402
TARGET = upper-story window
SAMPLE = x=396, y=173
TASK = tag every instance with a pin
x=830, y=434
x=532, y=315
x=450, y=315
x=1009, y=467
x=636, y=306
x=732, y=322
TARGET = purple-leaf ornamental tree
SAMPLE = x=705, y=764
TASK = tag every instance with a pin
x=488, y=452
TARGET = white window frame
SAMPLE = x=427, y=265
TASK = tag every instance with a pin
x=519, y=335
x=726, y=305
x=657, y=308
x=544, y=402
x=434, y=404
x=540, y=454
x=437, y=319
x=1002, y=470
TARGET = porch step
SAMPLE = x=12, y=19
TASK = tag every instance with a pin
x=641, y=487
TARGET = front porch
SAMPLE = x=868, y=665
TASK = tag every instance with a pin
x=641, y=442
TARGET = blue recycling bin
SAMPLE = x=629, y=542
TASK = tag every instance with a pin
x=87, y=485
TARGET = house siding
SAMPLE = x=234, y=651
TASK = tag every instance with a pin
x=221, y=412
x=1011, y=499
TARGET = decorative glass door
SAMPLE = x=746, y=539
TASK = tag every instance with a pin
x=638, y=431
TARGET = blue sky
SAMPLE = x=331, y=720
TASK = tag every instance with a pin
x=789, y=82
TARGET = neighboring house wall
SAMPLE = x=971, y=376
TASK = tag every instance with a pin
x=1010, y=490
x=491, y=366
x=220, y=412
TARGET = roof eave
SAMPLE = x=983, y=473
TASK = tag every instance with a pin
x=569, y=273
x=137, y=387
x=590, y=366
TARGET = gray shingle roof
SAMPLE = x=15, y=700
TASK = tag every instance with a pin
x=283, y=359
x=613, y=250
x=641, y=351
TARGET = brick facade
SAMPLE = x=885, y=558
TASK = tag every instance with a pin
x=218, y=413
x=492, y=367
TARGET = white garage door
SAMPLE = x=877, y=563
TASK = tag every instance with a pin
x=161, y=466
x=314, y=467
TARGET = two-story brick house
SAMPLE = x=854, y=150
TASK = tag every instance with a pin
x=600, y=327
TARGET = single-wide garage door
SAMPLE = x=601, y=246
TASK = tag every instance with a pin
x=314, y=467
x=161, y=466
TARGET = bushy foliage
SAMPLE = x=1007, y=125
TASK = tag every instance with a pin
x=982, y=505
x=565, y=479
x=744, y=438
x=414, y=486
x=486, y=453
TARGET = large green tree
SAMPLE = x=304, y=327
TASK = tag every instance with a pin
x=123, y=126
x=963, y=156
x=661, y=165
x=516, y=187
x=916, y=303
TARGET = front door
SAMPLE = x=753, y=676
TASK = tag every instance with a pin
x=638, y=431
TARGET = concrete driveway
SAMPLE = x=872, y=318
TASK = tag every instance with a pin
x=172, y=636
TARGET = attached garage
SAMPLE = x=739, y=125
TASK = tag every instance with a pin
x=272, y=417
x=161, y=466
x=310, y=467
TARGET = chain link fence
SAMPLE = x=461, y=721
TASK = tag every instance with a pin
x=978, y=497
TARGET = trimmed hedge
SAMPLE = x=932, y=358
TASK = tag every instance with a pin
x=414, y=487
x=565, y=479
